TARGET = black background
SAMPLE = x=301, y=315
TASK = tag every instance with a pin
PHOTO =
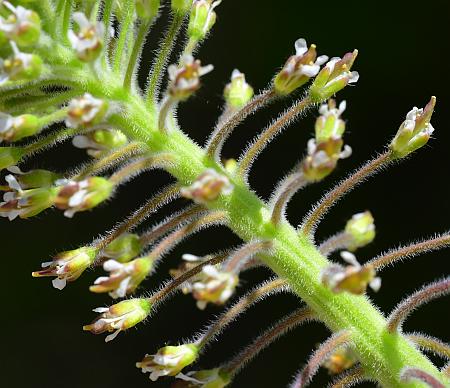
x=403, y=60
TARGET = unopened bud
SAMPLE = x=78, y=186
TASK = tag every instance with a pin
x=238, y=92
x=100, y=140
x=207, y=378
x=9, y=156
x=34, y=178
x=340, y=360
x=361, y=229
x=202, y=18
x=181, y=6
x=147, y=9
x=329, y=124
x=124, y=248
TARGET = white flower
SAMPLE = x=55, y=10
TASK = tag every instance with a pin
x=85, y=111
x=13, y=67
x=88, y=42
x=214, y=286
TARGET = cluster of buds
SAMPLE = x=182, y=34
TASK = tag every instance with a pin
x=213, y=285
x=361, y=230
x=414, y=132
x=207, y=378
x=20, y=66
x=98, y=141
x=119, y=317
x=18, y=127
x=299, y=68
x=352, y=278
x=185, y=80
x=88, y=41
x=207, y=187
x=327, y=148
x=27, y=197
x=340, y=360
x=202, y=18
x=67, y=266
x=147, y=9
x=334, y=76
x=123, y=278
x=76, y=196
x=22, y=26
x=168, y=361
x=238, y=92
x=85, y=111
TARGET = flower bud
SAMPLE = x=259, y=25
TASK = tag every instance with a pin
x=340, y=360
x=207, y=187
x=85, y=111
x=100, y=140
x=208, y=378
x=34, y=178
x=322, y=158
x=181, y=6
x=16, y=128
x=123, y=248
x=168, y=361
x=22, y=26
x=333, y=77
x=84, y=195
x=147, y=9
x=68, y=266
x=9, y=156
x=20, y=66
x=123, y=278
x=185, y=80
x=329, y=124
x=361, y=230
x=299, y=68
x=119, y=317
x=213, y=286
x=352, y=278
x=414, y=132
x=202, y=18
x=238, y=93
x=88, y=42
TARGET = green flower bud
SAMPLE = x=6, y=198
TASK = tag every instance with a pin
x=361, y=229
x=68, y=266
x=181, y=6
x=333, y=77
x=202, y=18
x=119, y=317
x=35, y=178
x=329, y=124
x=23, y=25
x=208, y=378
x=9, y=156
x=123, y=248
x=84, y=195
x=147, y=9
x=168, y=361
x=16, y=128
x=238, y=93
x=20, y=66
x=299, y=68
x=98, y=141
x=414, y=132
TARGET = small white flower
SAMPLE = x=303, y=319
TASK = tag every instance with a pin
x=15, y=65
x=20, y=20
x=84, y=111
x=88, y=41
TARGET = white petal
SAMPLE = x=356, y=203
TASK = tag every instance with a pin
x=375, y=284
x=300, y=46
x=101, y=279
x=189, y=257
x=15, y=170
x=112, y=265
x=350, y=258
x=100, y=310
x=12, y=182
x=321, y=60
x=347, y=152
x=112, y=336
x=59, y=283
x=78, y=198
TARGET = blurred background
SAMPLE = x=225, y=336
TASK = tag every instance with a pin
x=403, y=61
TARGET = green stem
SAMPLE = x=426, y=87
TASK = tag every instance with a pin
x=123, y=36
x=66, y=20
x=159, y=65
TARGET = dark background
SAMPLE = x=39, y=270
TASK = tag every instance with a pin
x=403, y=60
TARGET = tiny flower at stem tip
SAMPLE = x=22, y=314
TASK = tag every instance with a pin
x=22, y=26
x=202, y=18
x=361, y=229
x=85, y=111
x=20, y=66
x=88, y=41
x=208, y=187
x=238, y=92
x=168, y=361
x=16, y=128
x=119, y=317
x=100, y=140
x=414, y=132
x=208, y=378
x=123, y=248
x=67, y=266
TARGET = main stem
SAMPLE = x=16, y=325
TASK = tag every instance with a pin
x=294, y=258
